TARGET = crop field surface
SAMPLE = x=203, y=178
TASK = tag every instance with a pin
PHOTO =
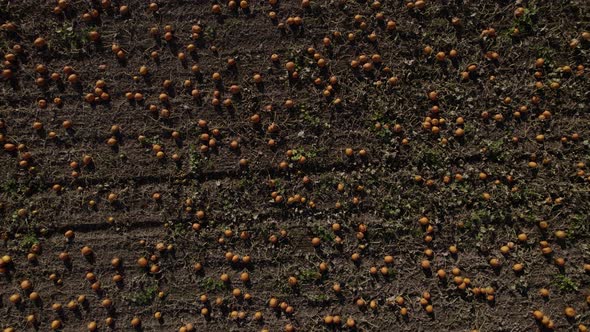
x=294, y=165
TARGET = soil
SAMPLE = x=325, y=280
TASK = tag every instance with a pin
x=478, y=190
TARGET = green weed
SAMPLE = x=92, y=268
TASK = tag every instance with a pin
x=144, y=297
x=210, y=284
x=564, y=283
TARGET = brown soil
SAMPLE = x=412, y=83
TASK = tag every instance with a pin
x=380, y=191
